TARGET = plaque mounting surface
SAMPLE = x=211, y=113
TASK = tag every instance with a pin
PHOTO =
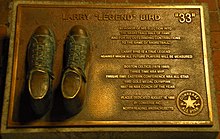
x=148, y=65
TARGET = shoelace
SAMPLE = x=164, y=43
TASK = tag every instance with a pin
x=77, y=51
x=41, y=53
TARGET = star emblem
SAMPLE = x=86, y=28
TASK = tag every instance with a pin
x=189, y=102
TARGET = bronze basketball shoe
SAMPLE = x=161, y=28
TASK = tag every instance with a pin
x=41, y=51
x=73, y=80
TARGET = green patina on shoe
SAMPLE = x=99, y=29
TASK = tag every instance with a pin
x=73, y=80
x=41, y=51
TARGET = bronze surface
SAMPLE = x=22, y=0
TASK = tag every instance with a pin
x=148, y=65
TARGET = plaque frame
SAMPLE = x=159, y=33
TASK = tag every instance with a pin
x=196, y=130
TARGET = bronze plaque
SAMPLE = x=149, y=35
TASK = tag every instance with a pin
x=148, y=65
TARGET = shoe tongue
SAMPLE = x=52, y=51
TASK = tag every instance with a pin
x=39, y=84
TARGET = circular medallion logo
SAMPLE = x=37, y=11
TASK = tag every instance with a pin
x=189, y=102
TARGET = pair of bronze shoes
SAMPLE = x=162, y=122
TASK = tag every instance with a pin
x=40, y=58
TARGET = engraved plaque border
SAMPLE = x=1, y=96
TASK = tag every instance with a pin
x=12, y=71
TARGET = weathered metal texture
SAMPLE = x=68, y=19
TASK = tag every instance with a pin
x=148, y=66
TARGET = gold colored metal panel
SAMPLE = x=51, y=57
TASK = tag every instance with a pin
x=148, y=65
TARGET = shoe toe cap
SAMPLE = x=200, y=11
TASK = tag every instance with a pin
x=78, y=30
x=42, y=30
